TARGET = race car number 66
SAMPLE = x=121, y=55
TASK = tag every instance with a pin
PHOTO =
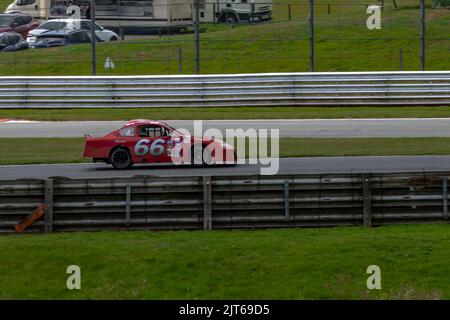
x=144, y=147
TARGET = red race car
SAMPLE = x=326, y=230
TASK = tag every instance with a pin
x=146, y=141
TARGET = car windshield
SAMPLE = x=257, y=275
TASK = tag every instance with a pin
x=5, y=21
x=171, y=131
x=53, y=25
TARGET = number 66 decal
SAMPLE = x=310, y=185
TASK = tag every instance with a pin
x=144, y=147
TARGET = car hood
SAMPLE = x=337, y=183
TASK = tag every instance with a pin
x=36, y=32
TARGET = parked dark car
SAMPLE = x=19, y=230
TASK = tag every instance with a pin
x=17, y=22
x=63, y=37
x=12, y=41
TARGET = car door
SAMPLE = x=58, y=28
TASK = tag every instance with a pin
x=78, y=36
x=72, y=38
x=127, y=136
x=153, y=144
x=100, y=35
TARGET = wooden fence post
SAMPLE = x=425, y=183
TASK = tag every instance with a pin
x=207, y=205
x=48, y=195
x=367, y=197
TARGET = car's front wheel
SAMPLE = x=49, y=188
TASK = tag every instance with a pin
x=120, y=159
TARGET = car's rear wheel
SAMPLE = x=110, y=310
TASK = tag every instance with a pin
x=120, y=159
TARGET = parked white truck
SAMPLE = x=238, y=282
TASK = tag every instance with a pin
x=235, y=11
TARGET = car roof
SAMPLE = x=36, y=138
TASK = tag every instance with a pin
x=67, y=20
x=13, y=14
x=142, y=122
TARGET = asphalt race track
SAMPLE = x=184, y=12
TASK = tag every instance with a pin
x=288, y=128
x=320, y=128
x=287, y=166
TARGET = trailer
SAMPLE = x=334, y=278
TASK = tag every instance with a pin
x=147, y=15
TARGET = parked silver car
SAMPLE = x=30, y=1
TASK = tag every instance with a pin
x=70, y=24
x=54, y=38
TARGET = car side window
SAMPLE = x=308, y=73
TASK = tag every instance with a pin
x=20, y=21
x=152, y=131
x=16, y=22
x=27, y=19
x=85, y=25
x=26, y=2
x=11, y=39
x=127, y=132
x=8, y=40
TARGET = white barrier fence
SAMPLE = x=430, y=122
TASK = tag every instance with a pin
x=228, y=90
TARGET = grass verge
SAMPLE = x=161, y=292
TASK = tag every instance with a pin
x=342, y=43
x=68, y=150
x=226, y=113
x=322, y=263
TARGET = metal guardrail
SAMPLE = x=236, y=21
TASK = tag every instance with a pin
x=228, y=90
x=226, y=202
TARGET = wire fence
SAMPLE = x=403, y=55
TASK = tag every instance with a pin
x=242, y=36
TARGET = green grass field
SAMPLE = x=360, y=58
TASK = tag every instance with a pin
x=343, y=43
x=68, y=150
x=319, y=263
x=126, y=114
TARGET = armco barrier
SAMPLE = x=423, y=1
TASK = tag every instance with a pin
x=226, y=202
x=228, y=90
